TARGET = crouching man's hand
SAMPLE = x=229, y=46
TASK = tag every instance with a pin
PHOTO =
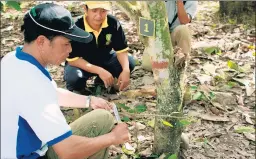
x=120, y=134
x=99, y=103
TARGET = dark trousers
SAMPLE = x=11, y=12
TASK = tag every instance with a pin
x=76, y=78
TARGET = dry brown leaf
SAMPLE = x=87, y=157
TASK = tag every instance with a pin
x=245, y=48
x=248, y=119
x=162, y=156
x=213, y=117
x=224, y=99
x=250, y=136
x=204, y=79
x=131, y=93
x=218, y=105
x=249, y=90
x=149, y=91
x=145, y=92
x=215, y=110
x=146, y=153
x=140, y=126
x=185, y=141
x=240, y=100
x=209, y=69
x=141, y=138
x=148, y=80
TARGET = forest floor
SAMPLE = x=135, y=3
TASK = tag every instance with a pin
x=220, y=94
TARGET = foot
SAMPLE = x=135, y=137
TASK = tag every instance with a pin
x=180, y=58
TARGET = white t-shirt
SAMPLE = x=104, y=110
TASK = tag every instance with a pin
x=31, y=119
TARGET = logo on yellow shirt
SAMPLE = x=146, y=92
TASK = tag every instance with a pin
x=108, y=39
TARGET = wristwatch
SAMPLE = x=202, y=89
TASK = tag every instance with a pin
x=88, y=102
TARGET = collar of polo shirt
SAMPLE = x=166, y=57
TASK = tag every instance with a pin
x=89, y=29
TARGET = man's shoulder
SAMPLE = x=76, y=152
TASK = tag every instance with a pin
x=113, y=21
x=79, y=21
x=8, y=56
x=192, y=2
x=112, y=18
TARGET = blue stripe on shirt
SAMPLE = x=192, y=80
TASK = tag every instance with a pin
x=27, y=141
x=60, y=138
x=27, y=57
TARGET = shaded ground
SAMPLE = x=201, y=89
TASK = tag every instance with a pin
x=220, y=96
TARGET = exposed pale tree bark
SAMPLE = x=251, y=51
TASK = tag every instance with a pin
x=168, y=79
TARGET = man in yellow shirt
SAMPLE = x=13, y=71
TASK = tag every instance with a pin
x=106, y=56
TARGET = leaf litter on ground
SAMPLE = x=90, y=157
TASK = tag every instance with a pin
x=208, y=66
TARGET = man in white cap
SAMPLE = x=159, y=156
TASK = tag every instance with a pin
x=106, y=56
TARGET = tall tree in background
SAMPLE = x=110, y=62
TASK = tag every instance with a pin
x=168, y=78
x=239, y=10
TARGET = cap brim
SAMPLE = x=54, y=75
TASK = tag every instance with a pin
x=103, y=6
x=78, y=35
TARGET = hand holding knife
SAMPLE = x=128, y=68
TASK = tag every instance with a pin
x=127, y=145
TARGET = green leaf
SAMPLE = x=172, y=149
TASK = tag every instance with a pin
x=1, y=6
x=233, y=65
x=151, y=123
x=140, y=108
x=219, y=52
x=119, y=156
x=193, y=88
x=173, y=156
x=122, y=106
x=243, y=129
x=14, y=4
x=219, y=78
x=131, y=111
x=137, y=62
x=212, y=50
x=212, y=95
x=154, y=156
x=70, y=7
x=166, y=123
x=232, y=84
x=128, y=149
x=136, y=156
x=205, y=140
x=197, y=96
x=98, y=90
x=184, y=122
x=251, y=47
x=125, y=119
x=204, y=97
x=232, y=21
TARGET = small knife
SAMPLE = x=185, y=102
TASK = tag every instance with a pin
x=126, y=145
x=116, y=113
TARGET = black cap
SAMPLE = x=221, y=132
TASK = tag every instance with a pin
x=58, y=19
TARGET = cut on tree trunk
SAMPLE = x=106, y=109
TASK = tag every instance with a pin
x=169, y=80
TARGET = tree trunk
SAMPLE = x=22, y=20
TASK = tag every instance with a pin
x=238, y=10
x=168, y=79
